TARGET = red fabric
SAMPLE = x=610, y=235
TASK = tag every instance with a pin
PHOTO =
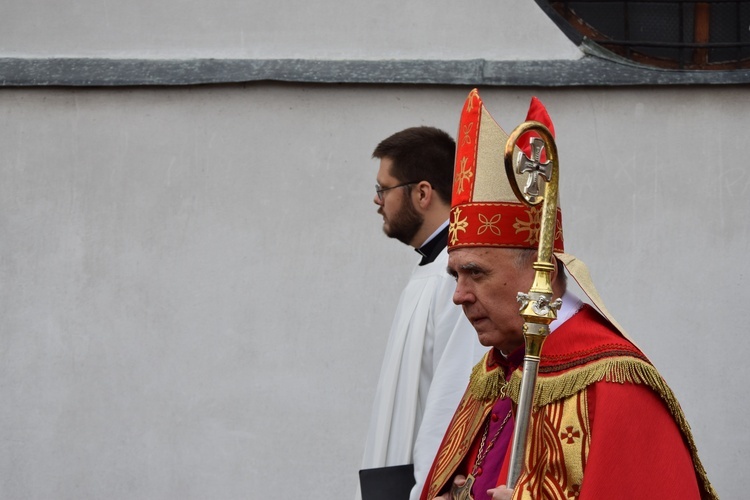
x=505, y=225
x=538, y=113
x=637, y=449
x=467, y=142
x=631, y=425
x=585, y=338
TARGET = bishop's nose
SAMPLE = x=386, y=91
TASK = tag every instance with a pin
x=462, y=295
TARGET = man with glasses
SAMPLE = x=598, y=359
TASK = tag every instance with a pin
x=432, y=347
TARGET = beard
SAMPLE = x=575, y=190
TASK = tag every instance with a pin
x=404, y=224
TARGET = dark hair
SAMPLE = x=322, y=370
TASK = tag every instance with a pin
x=421, y=154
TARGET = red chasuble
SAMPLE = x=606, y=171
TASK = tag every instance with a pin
x=604, y=424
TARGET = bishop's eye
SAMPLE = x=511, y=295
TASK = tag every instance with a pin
x=473, y=270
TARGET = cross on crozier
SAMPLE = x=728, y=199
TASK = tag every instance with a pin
x=534, y=167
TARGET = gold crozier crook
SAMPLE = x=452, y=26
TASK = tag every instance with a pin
x=537, y=307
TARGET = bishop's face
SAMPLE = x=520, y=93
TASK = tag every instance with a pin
x=487, y=282
x=400, y=219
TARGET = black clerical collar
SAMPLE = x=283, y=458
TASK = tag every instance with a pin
x=432, y=248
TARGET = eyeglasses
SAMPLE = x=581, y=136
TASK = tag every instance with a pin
x=379, y=190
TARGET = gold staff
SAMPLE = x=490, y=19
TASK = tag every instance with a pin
x=537, y=308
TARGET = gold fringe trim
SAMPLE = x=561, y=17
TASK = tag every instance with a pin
x=618, y=370
x=486, y=385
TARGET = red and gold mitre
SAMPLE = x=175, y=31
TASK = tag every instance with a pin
x=485, y=212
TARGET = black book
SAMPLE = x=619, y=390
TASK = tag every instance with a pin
x=387, y=483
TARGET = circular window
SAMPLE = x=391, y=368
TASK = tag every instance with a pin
x=703, y=35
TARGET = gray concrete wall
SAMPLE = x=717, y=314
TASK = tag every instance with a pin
x=325, y=29
x=195, y=289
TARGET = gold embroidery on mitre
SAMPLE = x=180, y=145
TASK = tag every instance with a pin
x=464, y=175
x=489, y=224
x=457, y=225
x=473, y=96
x=466, y=139
x=531, y=225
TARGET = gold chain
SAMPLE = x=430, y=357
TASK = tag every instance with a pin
x=482, y=453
